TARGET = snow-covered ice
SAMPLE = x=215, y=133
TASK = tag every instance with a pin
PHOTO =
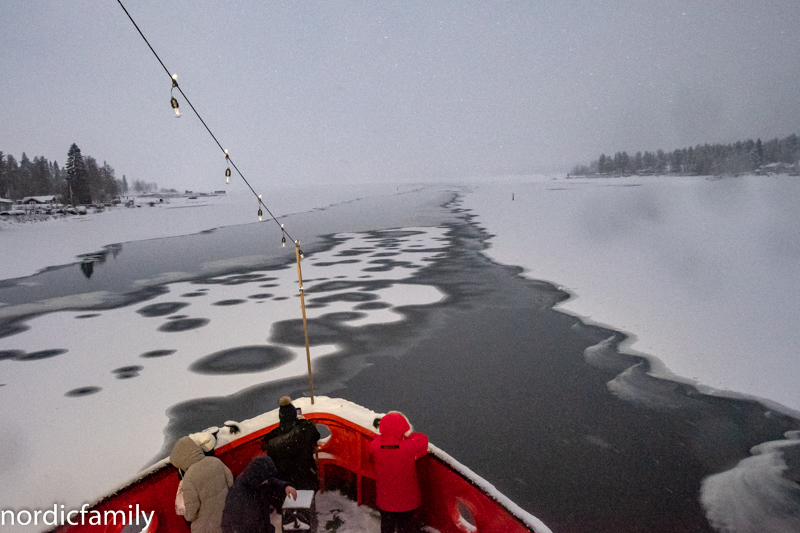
x=701, y=273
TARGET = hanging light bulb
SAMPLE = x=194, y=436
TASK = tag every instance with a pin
x=173, y=101
x=260, y=213
x=228, y=170
x=283, y=237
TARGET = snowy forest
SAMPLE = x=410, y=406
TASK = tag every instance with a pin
x=703, y=160
x=81, y=181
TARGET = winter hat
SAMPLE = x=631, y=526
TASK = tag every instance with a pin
x=286, y=412
x=205, y=440
x=260, y=469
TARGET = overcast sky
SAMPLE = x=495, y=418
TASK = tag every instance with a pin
x=413, y=90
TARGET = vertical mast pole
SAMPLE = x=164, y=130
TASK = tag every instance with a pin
x=305, y=325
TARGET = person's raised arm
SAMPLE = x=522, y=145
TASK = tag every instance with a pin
x=420, y=441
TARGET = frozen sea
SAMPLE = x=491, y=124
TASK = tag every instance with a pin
x=105, y=358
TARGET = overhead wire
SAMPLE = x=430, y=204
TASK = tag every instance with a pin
x=175, y=85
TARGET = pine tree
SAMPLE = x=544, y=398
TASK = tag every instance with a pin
x=759, y=153
x=77, y=177
x=11, y=171
x=110, y=186
x=124, y=185
x=3, y=177
x=57, y=176
x=41, y=180
x=24, y=184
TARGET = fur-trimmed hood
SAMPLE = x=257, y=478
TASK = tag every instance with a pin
x=395, y=425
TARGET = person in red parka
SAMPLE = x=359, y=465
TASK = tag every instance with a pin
x=395, y=452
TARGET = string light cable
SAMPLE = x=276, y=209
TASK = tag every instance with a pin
x=228, y=159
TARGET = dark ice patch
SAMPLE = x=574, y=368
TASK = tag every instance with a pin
x=393, y=234
x=261, y=296
x=82, y=391
x=385, y=254
x=194, y=294
x=89, y=315
x=242, y=360
x=352, y=253
x=241, y=279
x=11, y=354
x=332, y=263
x=351, y=297
x=280, y=298
x=177, y=317
x=161, y=309
x=183, y=324
x=386, y=265
x=127, y=372
x=269, y=285
x=372, y=306
x=41, y=354
x=425, y=251
x=235, y=280
x=290, y=333
x=340, y=285
x=330, y=286
x=229, y=302
x=157, y=353
x=343, y=316
x=131, y=368
x=12, y=328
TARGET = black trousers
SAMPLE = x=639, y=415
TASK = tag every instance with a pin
x=392, y=522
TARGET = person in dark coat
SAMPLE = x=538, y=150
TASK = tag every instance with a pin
x=291, y=445
x=257, y=488
x=395, y=452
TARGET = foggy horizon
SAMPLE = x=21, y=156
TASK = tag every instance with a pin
x=412, y=91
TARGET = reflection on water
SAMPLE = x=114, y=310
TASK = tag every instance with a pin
x=110, y=270
x=89, y=260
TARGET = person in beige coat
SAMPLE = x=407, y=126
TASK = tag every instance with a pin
x=205, y=485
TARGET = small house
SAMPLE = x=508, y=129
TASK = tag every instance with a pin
x=38, y=200
x=6, y=205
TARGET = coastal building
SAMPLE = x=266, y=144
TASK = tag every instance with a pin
x=38, y=200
